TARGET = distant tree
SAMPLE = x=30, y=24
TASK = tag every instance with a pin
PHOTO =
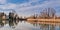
x=48, y=12
x=51, y=12
x=35, y=16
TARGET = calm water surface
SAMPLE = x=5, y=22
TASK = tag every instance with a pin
x=23, y=25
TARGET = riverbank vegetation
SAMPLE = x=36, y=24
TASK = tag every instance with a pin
x=47, y=13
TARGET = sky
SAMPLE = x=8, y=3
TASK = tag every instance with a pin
x=28, y=7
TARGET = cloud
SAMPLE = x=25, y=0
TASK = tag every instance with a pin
x=28, y=6
x=8, y=6
x=3, y=1
x=32, y=6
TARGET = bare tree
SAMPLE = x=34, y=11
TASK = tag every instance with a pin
x=48, y=12
x=51, y=12
x=35, y=16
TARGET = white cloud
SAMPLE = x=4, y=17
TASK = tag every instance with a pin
x=28, y=6
x=45, y=4
x=8, y=6
x=3, y=1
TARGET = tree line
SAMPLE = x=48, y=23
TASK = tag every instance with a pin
x=46, y=13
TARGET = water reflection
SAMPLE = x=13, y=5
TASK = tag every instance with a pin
x=1, y=24
x=24, y=25
x=46, y=26
x=13, y=23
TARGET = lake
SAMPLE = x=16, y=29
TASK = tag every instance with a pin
x=24, y=25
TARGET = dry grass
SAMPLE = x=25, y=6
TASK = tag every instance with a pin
x=45, y=21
